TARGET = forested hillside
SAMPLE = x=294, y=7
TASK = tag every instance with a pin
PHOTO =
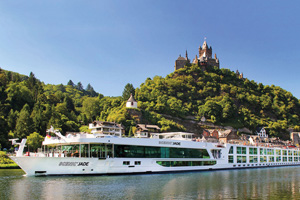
x=223, y=98
x=27, y=105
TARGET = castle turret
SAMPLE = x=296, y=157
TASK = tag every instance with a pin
x=186, y=55
x=205, y=51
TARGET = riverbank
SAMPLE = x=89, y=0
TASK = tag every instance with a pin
x=9, y=166
x=6, y=162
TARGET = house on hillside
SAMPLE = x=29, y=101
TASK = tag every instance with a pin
x=210, y=135
x=295, y=137
x=227, y=136
x=144, y=130
x=106, y=128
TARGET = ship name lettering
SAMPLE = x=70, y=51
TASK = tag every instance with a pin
x=176, y=143
x=73, y=164
x=170, y=143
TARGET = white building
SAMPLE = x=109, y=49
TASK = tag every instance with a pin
x=263, y=133
x=131, y=102
x=106, y=128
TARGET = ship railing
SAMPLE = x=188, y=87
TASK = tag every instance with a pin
x=44, y=154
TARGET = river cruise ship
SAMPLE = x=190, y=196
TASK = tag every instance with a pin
x=104, y=154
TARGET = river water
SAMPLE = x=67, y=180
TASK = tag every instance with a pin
x=265, y=183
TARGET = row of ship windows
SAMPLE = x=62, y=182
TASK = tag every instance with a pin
x=177, y=163
x=254, y=159
x=128, y=162
x=185, y=163
x=263, y=164
x=264, y=151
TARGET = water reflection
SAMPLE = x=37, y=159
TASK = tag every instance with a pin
x=268, y=183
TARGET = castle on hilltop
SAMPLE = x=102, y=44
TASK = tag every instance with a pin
x=204, y=60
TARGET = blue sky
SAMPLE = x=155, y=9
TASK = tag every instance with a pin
x=111, y=43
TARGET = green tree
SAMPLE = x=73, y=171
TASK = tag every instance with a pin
x=71, y=83
x=129, y=89
x=34, y=141
x=24, y=123
x=91, y=108
x=69, y=103
x=90, y=91
x=38, y=118
x=79, y=86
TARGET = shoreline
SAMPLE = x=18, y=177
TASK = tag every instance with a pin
x=9, y=166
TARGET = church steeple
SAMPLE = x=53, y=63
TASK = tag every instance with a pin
x=186, y=55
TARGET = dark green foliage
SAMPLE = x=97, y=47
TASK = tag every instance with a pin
x=70, y=83
x=129, y=89
x=79, y=86
x=27, y=105
x=90, y=91
x=24, y=123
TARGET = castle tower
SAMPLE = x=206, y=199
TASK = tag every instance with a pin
x=205, y=51
x=131, y=102
x=205, y=58
x=181, y=61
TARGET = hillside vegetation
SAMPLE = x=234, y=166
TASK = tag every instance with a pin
x=222, y=97
x=27, y=105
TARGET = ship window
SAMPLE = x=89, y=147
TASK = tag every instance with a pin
x=278, y=158
x=251, y=159
x=270, y=151
x=253, y=151
x=230, y=159
x=129, y=151
x=261, y=151
x=239, y=150
x=278, y=152
x=284, y=159
x=284, y=152
x=126, y=162
x=97, y=150
x=244, y=150
x=290, y=159
x=231, y=150
x=137, y=162
x=185, y=163
x=241, y=159
x=271, y=159
x=263, y=159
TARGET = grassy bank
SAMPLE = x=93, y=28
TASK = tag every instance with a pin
x=6, y=162
x=9, y=166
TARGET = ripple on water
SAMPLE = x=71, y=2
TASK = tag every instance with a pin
x=266, y=183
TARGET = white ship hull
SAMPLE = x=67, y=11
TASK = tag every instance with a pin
x=115, y=155
x=92, y=166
